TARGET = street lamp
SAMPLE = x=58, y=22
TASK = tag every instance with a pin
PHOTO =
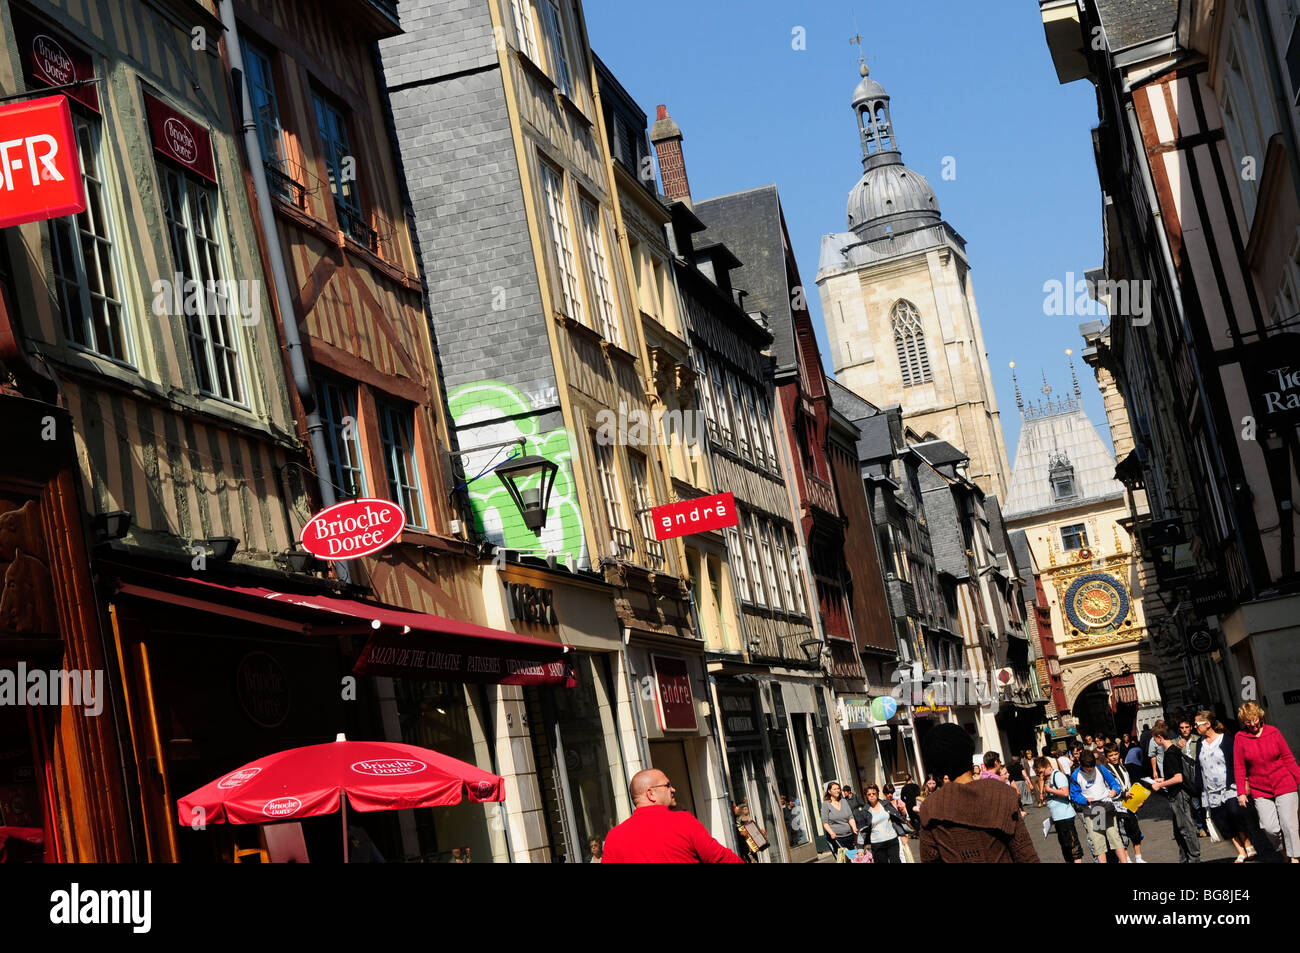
x=532, y=501
x=811, y=648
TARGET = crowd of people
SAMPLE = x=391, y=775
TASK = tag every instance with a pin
x=1241, y=786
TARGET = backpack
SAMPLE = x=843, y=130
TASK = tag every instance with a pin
x=1191, y=776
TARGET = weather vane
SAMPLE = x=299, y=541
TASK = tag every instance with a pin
x=856, y=40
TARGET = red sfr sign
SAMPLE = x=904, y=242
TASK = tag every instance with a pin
x=40, y=174
x=694, y=516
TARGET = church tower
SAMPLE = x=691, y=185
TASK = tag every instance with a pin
x=898, y=303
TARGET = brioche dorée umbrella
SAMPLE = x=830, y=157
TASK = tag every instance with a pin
x=321, y=779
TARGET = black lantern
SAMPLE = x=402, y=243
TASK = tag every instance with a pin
x=811, y=648
x=533, y=499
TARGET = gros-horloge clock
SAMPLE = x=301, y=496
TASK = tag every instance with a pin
x=1096, y=601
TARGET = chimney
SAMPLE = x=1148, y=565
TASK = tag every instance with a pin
x=667, y=138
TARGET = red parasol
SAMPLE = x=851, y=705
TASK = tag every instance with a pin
x=311, y=781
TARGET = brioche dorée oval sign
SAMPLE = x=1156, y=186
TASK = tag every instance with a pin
x=352, y=529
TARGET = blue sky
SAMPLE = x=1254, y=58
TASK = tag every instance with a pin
x=973, y=81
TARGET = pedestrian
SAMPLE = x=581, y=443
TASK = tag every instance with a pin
x=855, y=803
x=752, y=838
x=992, y=766
x=1170, y=781
x=1266, y=770
x=1055, y=784
x=909, y=792
x=931, y=785
x=1144, y=738
x=1218, y=774
x=656, y=834
x=1016, y=777
x=837, y=819
x=1130, y=831
x=1189, y=743
x=1094, y=788
x=1155, y=752
x=1133, y=757
x=887, y=826
x=969, y=820
x=594, y=849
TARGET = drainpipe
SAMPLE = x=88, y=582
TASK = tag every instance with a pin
x=280, y=291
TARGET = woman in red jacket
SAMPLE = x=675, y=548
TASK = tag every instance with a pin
x=1266, y=770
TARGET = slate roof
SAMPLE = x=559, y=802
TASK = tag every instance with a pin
x=1132, y=22
x=750, y=224
x=1025, y=563
x=946, y=537
x=1065, y=430
x=940, y=452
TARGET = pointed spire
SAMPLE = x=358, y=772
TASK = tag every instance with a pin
x=1078, y=394
x=1020, y=401
x=1047, y=388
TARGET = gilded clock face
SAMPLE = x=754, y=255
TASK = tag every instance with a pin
x=1096, y=601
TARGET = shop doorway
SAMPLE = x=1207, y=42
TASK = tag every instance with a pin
x=670, y=758
x=575, y=746
x=747, y=793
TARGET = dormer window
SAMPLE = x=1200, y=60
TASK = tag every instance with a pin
x=1061, y=473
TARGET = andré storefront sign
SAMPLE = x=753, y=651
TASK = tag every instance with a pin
x=40, y=174
x=353, y=529
x=694, y=516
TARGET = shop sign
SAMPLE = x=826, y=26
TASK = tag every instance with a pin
x=40, y=173
x=854, y=712
x=694, y=516
x=50, y=60
x=180, y=139
x=1271, y=367
x=1165, y=542
x=740, y=721
x=1291, y=697
x=352, y=529
x=673, y=701
x=263, y=689
x=1211, y=595
x=532, y=604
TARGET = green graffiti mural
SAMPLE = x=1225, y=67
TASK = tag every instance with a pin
x=495, y=515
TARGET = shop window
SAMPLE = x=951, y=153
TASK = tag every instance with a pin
x=574, y=736
x=396, y=429
x=193, y=225
x=798, y=814
x=338, y=411
x=85, y=260
x=439, y=716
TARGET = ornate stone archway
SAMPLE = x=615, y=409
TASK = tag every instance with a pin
x=1078, y=673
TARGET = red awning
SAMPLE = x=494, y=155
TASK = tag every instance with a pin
x=402, y=643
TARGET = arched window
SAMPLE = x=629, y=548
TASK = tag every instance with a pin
x=909, y=339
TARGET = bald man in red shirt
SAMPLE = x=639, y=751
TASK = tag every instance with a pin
x=656, y=834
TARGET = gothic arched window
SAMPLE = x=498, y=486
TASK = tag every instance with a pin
x=909, y=339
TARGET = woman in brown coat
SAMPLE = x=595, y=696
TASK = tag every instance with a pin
x=969, y=821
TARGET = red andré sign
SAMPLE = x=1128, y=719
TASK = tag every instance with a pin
x=694, y=516
x=40, y=174
x=352, y=529
x=675, y=704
